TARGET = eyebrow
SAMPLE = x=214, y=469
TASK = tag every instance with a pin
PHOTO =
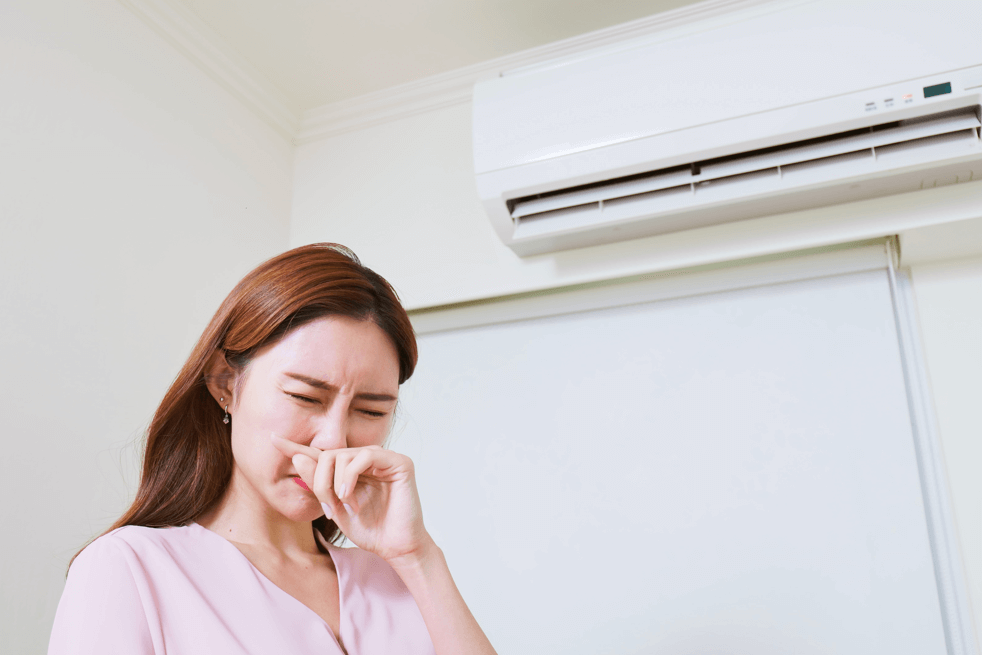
x=326, y=386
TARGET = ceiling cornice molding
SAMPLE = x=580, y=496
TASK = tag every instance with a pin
x=185, y=31
x=455, y=87
x=194, y=39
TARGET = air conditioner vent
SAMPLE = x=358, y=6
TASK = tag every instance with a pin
x=818, y=162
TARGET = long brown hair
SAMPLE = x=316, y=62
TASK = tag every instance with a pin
x=187, y=461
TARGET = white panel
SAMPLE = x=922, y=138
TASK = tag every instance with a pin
x=782, y=55
x=949, y=296
x=723, y=473
x=823, y=262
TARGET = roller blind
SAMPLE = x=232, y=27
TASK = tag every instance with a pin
x=726, y=472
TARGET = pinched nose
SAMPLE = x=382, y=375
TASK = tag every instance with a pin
x=330, y=434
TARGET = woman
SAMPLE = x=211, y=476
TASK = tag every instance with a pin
x=264, y=451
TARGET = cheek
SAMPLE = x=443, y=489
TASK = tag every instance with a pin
x=369, y=433
x=252, y=424
x=271, y=411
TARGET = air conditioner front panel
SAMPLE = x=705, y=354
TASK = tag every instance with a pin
x=706, y=74
x=716, y=121
x=766, y=163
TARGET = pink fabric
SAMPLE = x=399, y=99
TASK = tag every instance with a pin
x=186, y=590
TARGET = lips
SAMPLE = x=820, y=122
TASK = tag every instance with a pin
x=301, y=483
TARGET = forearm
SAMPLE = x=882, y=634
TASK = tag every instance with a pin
x=452, y=627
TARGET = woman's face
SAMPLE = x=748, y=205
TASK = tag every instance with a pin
x=331, y=383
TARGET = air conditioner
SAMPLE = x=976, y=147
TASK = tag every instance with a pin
x=665, y=134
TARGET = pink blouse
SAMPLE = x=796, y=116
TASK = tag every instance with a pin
x=187, y=590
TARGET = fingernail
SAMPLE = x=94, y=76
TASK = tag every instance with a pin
x=327, y=511
x=347, y=508
x=344, y=491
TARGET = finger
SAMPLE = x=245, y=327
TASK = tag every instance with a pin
x=340, y=488
x=323, y=484
x=362, y=463
x=291, y=448
x=306, y=468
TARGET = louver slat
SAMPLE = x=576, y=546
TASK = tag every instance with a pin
x=750, y=168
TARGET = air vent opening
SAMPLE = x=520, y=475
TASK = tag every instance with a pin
x=834, y=160
x=603, y=183
x=757, y=171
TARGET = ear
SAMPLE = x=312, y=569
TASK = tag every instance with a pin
x=220, y=379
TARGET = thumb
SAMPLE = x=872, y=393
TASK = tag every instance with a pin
x=305, y=466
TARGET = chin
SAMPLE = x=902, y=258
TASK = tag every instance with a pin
x=301, y=514
x=301, y=510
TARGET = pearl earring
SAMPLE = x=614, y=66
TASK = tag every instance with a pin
x=225, y=419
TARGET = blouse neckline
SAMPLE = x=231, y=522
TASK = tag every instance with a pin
x=332, y=550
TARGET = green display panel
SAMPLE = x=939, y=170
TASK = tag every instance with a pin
x=937, y=90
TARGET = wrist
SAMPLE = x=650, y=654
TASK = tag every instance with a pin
x=417, y=561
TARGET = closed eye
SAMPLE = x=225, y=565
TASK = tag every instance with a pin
x=305, y=399
x=372, y=413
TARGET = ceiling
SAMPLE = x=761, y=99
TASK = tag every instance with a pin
x=321, y=51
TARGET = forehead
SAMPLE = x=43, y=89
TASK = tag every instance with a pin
x=338, y=349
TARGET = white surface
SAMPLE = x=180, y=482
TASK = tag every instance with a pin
x=852, y=258
x=948, y=241
x=654, y=86
x=949, y=300
x=956, y=612
x=134, y=193
x=319, y=52
x=732, y=472
x=654, y=103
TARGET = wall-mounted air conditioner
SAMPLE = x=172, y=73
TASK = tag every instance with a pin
x=804, y=105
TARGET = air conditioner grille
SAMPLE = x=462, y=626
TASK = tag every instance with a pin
x=741, y=173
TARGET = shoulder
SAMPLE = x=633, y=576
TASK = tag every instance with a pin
x=105, y=605
x=138, y=537
x=131, y=545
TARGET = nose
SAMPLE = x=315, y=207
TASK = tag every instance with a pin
x=332, y=429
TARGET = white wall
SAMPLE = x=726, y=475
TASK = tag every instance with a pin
x=401, y=195
x=134, y=192
x=949, y=299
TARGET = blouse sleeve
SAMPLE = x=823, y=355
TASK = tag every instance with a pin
x=101, y=609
